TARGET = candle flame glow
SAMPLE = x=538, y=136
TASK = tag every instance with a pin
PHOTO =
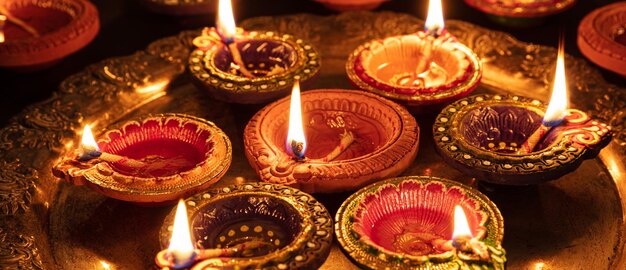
x=461, y=226
x=296, y=141
x=3, y=20
x=225, y=21
x=88, y=142
x=434, y=20
x=181, y=246
x=558, y=102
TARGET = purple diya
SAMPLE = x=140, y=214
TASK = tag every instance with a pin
x=384, y=141
x=351, y=5
x=36, y=34
x=254, y=226
x=275, y=61
x=416, y=70
x=151, y=160
x=602, y=37
x=408, y=222
x=520, y=13
x=480, y=135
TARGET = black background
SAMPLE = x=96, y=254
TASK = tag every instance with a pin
x=126, y=26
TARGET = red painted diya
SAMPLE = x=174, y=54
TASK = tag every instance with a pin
x=40, y=33
x=416, y=70
x=178, y=156
x=602, y=37
x=480, y=135
x=520, y=13
x=351, y=5
x=385, y=137
x=408, y=222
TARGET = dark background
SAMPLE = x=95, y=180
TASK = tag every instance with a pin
x=126, y=26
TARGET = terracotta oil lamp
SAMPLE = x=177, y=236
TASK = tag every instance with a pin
x=422, y=71
x=602, y=37
x=515, y=140
x=331, y=140
x=351, y=5
x=249, y=226
x=420, y=222
x=37, y=34
x=181, y=7
x=249, y=67
x=152, y=160
x=520, y=13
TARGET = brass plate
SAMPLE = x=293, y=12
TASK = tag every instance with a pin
x=576, y=222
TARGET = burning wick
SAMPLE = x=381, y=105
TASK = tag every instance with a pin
x=226, y=29
x=6, y=15
x=462, y=238
x=296, y=141
x=89, y=150
x=557, y=109
x=181, y=253
x=433, y=28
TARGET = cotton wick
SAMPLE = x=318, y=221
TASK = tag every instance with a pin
x=537, y=136
x=87, y=153
x=165, y=258
x=346, y=139
x=472, y=246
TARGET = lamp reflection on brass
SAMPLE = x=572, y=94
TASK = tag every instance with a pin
x=153, y=87
x=105, y=265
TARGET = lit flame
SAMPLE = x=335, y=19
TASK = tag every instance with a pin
x=558, y=102
x=3, y=20
x=461, y=226
x=181, y=246
x=105, y=265
x=88, y=142
x=295, y=135
x=225, y=21
x=434, y=19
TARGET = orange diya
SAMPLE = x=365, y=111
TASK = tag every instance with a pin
x=36, y=34
x=422, y=70
x=341, y=140
x=151, y=160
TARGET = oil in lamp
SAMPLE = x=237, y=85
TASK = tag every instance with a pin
x=352, y=138
x=155, y=159
x=249, y=226
x=422, y=70
x=238, y=66
x=515, y=140
x=419, y=222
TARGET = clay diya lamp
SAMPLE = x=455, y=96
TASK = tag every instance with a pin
x=249, y=226
x=351, y=5
x=520, y=13
x=37, y=34
x=152, y=160
x=514, y=140
x=237, y=66
x=180, y=7
x=422, y=71
x=421, y=222
x=352, y=139
x=602, y=37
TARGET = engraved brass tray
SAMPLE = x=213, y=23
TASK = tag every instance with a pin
x=576, y=222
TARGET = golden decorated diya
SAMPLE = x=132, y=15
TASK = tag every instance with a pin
x=249, y=226
x=151, y=160
x=520, y=13
x=249, y=67
x=338, y=140
x=514, y=140
x=36, y=34
x=422, y=71
x=602, y=37
x=421, y=222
